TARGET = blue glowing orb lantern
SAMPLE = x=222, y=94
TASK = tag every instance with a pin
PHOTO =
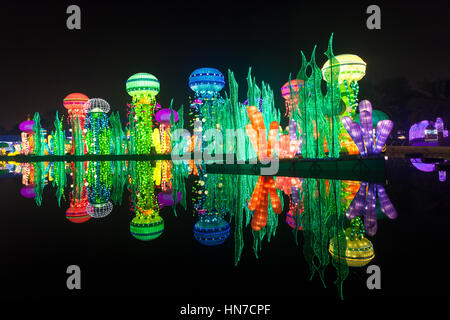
x=211, y=229
x=206, y=82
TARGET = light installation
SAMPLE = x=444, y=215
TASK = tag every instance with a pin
x=291, y=186
x=351, y=69
x=359, y=250
x=211, y=229
x=363, y=135
x=77, y=212
x=206, y=84
x=147, y=224
x=26, y=128
x=98, y=131
x=265, y=186
x=364, y=205
x=163, y=179
x=163, y=117
x=143, y=88
x=323, y=219
x=99, y=184
x=75, y=103
x=318, y=116
x=427, y=133
x=291, y=99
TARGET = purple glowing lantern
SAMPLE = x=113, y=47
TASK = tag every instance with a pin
x=163, y=116
x=424, y=167
x=26, y=126
x=356, y=207
x=442, y=175
x=165, y=199
x=293, y=135
x=354, y=130
x=385, y=203
x=28, y=191
x=365, y=117
x=370, y=217
x=383, y=130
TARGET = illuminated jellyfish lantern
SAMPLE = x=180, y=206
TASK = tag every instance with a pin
x=28, y=191
x=206, y=83
x=143, y=88
x=165, y=198
x=163, y=117
x=147, y=226
x=77, y=214
x=211, y=229
x=75, y=103
x=358, y=252
x=27, y=136
x=99, y=210
x=290, y=93
x=99, y=189
x=351, y=69
x=98, y=132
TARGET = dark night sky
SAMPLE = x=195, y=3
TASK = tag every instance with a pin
x=42, y=61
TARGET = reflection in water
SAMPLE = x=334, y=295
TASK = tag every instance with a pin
x=331, y=220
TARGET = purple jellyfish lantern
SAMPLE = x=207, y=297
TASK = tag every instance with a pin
x=28, y=191
x=26, y=126
x=163, y=116
x=165, y=199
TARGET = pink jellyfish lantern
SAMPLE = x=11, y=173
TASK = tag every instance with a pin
x=290, y=92
x=163, y=117
x=27, y=136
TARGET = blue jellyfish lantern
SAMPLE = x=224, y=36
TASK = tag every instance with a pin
x=212, y=229
x=206, y=83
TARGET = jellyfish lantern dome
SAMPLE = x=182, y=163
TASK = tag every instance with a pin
x=347, y=69
x=212, y=229
x=75, y=103
x=147, y=226
x=142, y=86
x=206, y=83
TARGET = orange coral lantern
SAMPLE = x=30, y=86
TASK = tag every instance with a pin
x=265, y=185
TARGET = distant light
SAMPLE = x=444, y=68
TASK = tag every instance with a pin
x=401, y=137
